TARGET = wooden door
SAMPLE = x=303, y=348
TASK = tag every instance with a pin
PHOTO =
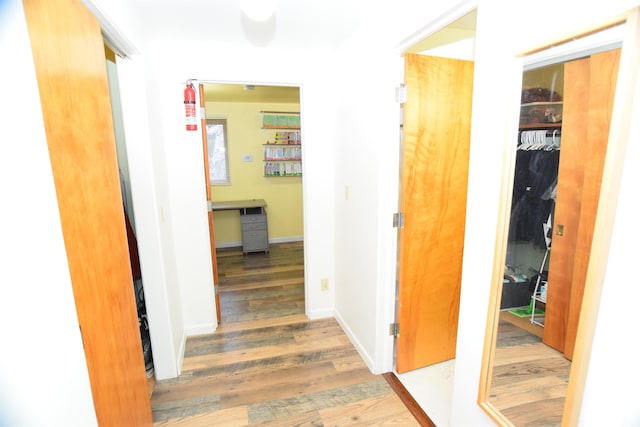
x=589, y=92
x=72, y=79
x=568, y=198
x=435, y=160
x=207, y=184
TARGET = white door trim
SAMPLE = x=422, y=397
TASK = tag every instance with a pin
x=113, y=37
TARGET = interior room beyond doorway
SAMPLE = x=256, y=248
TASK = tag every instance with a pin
x=257, y=202
x=245, y=108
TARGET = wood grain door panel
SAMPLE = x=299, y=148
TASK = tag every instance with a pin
x=72, y=78
x=435, y=162
x=604, y=73
x=207, y=184
x=568, y=200
x=589, y=92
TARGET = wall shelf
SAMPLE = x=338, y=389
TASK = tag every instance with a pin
x=281, y=127
x=283, y=152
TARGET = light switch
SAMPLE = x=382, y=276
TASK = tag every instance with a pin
x=247, y=157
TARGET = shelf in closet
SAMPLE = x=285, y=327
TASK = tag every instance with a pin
x=541, y=115
x=540, y=126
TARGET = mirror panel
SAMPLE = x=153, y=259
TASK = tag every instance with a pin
x=543, y=253
x=529, y=378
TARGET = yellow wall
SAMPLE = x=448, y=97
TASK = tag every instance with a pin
x=543, y=77
x=282, y=194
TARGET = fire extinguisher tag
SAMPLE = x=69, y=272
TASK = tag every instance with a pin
x=191, y=119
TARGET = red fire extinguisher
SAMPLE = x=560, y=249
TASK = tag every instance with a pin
x=190, y=107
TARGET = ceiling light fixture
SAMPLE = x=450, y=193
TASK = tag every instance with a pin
x=259, y=10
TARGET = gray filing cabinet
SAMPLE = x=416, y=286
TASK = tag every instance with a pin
x=255, y=235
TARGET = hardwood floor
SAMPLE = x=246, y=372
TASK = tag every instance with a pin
x=258, y=285
x=529, y=380
x=268, y=364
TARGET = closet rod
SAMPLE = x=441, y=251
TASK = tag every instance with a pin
x=550, y=132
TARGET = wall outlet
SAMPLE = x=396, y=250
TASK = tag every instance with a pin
x=247, y=157
x=324, y=284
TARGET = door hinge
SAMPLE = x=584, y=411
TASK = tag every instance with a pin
x=203, y=113
x=394, y=329
x=401, y=94
x=398, y=220
x=209, y=206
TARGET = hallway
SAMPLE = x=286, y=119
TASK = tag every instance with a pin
x=267, y=363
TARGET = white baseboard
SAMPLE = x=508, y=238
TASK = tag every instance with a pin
x=368, y=360
x=221, y=245
x=181, y=350
x=286, y=239
x=320, y=314
x=205, y=328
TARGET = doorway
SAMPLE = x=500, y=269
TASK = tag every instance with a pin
x=125, y=189
x=260, y=145
x=432, y=369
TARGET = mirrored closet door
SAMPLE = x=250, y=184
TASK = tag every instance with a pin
x=565, y=116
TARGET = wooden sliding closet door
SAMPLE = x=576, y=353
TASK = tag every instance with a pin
x=72, y=78
x=569, y=195
x=589, y=92
x=604, y=73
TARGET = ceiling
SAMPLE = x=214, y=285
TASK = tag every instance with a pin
x=295, y=24
x=461, y=29
x=308, y=24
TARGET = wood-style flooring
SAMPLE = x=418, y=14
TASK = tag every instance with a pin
x=258, y=285
x=529, y=380
x=268, y=364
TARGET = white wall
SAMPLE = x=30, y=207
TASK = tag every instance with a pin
x=43, y=374
x=184, y=156
x=153, y=233
x=365, y=199
x=185, y=209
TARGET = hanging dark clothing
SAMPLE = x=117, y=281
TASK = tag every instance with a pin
x=536, y=175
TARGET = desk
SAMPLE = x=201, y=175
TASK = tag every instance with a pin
x=253, y=222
